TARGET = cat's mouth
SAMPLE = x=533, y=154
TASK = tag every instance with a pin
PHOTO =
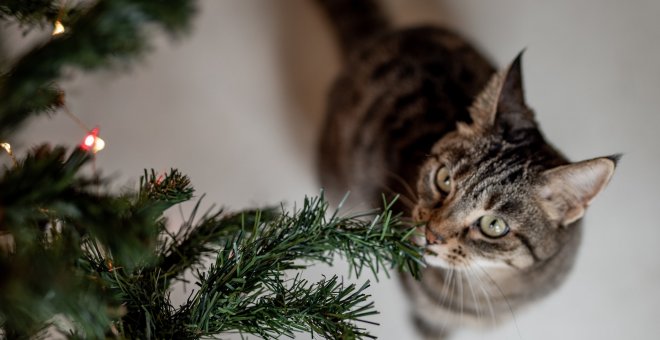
x=434, y=257
x=432, y=252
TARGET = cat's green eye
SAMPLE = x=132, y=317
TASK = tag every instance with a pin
x=493, y=226
x=443, y=180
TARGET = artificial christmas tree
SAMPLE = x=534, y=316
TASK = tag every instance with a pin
x=88, y=263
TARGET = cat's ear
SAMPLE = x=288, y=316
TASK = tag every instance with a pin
x=501, y=104
x=512, y=95
x=512, y=113
x=567, y=190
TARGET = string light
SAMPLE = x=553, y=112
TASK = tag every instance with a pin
x=7, y=147
x=161, y=175
x=92, y=141
x=58, y=28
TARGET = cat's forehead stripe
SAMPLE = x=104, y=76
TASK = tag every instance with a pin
x=492, y=200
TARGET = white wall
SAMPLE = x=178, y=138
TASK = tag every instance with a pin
x=236, y=106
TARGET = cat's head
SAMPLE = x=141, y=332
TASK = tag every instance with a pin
x=494, y=194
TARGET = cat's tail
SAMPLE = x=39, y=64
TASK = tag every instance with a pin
x=355, y=21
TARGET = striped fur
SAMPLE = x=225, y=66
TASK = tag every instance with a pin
x=412, y=101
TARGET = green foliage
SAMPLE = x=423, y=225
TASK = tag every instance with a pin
x=51, y=212
x=29, y=12
x=244, y=288
x=77, y=259
x=105, y=34
x=107, y=263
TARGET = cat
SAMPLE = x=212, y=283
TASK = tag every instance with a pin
x=420, y=112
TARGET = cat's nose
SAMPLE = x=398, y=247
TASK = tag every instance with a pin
x=433, y=238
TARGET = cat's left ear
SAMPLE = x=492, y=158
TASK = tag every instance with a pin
x=567, y=190
x=512, y=113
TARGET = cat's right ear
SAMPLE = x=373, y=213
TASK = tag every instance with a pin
x=567, y=190
x=512, y=114
x=501, y=104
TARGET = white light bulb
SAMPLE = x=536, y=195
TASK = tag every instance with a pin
x=6, y=146
x=99, y=145
x=58, y=28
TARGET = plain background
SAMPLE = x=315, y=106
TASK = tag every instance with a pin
x=237, y=107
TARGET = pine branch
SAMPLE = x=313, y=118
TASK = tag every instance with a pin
x=90, y=43
x=194, y=242
x=29, y=12
x=244, y=290
x=326, y=308
x=49, y=211
x=171, y=189
x=44, y=280
x=43, y=187
x=249, y=268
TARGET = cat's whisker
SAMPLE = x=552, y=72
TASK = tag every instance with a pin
x=446, y=292
x=409, y=202
x=471, y=277
x=461, y=294
x=406, y=186
x=486, y=296
x=452, y=287
x=513, y=315
x=445, y=287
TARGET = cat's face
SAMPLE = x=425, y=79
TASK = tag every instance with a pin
x=479, y=205
x=493, y=194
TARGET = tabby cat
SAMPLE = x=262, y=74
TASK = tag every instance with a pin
x=421, y=112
